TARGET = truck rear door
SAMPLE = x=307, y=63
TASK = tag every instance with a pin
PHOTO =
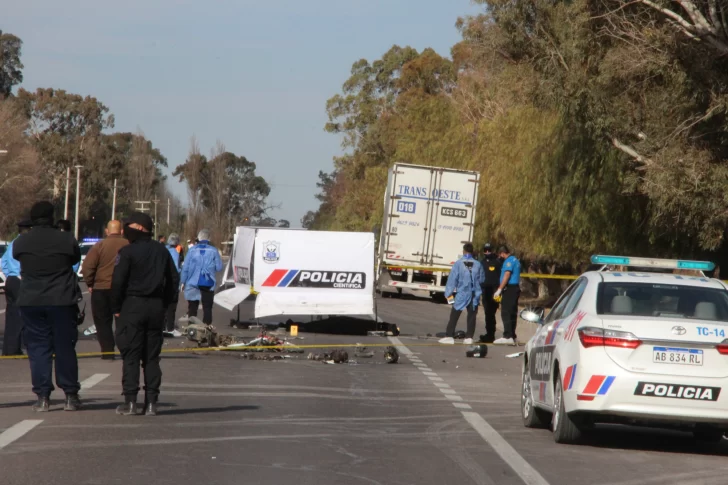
x=454, y=194
x=408, y=209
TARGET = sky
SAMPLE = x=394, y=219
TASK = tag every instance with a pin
x=253, y=74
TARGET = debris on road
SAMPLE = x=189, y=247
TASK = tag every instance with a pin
x=478, y=351
x=335, y=357
x=362, y=352
x=515, y=356
x=391, y=356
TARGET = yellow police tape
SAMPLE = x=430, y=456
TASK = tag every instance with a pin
x=548, y=276
x=268, y=347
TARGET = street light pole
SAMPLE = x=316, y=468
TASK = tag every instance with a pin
x=168, y=204
x=78, y=195
x=113, y=204
x=68, y=184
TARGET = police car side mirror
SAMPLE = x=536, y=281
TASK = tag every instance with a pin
x=533, y=315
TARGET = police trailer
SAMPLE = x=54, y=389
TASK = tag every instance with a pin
x=301, y=273
x=429, y=213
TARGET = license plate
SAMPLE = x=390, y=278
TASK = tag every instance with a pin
x=676, y=355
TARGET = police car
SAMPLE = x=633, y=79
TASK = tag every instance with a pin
x=85, y=246
x=631, y=347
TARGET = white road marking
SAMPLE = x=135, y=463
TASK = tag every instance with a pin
x=430, y=374
x=419, y=364
x=426, y=369
x=93, y=380
x=508, y=454
x=17, y=431
x=442, y=385
x=519, y=465
x=2, y=311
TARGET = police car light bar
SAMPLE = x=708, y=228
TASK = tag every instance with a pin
x=90, y=239
x=654, y=263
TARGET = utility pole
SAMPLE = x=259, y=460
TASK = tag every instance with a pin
x=78, y=194
x=140, y=207
x=113, y=204
x=155, y=216
x=68, y=183
x=168, y=204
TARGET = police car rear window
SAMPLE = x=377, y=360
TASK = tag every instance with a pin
x=85, y=249
x=662, y=301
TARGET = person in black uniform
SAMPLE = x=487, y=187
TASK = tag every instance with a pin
x=48, y=300
x=492, y=267
x=144, y=282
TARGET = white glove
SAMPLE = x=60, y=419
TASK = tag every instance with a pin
x=497, y=293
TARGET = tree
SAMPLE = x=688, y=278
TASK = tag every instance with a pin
x=248, y=192
x=18, y=168
x=191, y=172
x=216, y=191
x=64, y=127
x=308, y=219
x=144, y=168
x=11, y=73
x=283, y=223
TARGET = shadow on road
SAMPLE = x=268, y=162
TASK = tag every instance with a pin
x=222, y=409
x=651, y=439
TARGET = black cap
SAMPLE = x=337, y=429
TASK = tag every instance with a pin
x=42, y=210
x=140, y=218
x=487, y=247
x=25, y=223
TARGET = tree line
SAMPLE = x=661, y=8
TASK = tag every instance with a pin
x=599, y=126
x=48, y=130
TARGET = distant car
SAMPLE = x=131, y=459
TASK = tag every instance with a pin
x=631, y=347
x=85, y=245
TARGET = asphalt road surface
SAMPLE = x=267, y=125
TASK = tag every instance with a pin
x=437, y=417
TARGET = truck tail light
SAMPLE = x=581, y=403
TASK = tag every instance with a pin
x=599, y=337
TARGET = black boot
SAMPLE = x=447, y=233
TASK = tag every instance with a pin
x=42, y=405
x=73, y=403
x=150, y=408
x=129, y=408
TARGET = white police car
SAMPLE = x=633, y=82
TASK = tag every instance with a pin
x=85, y=246
x=628, y=347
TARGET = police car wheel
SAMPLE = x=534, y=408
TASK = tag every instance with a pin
x=564, y=428
x=708, y=435
x=533, y=417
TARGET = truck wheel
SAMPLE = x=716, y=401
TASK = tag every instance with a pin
x=533, y=417
x=564, y=428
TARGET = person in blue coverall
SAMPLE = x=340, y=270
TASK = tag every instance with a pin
x=198, y=277
x=169, y=321
x=12, y=341
x=465, y=280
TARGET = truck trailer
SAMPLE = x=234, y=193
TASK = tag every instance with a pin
x=429, y=213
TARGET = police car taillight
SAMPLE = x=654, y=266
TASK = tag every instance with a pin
x=598, y=337
x=722, y=347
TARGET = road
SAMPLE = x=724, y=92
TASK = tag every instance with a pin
x=436, y=417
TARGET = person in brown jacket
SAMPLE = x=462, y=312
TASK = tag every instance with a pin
x=98, y=267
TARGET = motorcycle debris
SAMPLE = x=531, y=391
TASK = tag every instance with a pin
x=515, y=356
